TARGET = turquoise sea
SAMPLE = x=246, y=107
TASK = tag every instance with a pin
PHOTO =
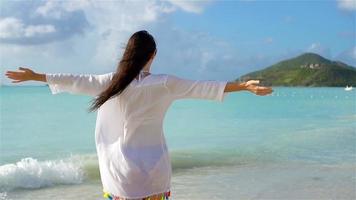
x=297, y=143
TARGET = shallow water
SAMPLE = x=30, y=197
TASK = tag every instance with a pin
x=298, y=143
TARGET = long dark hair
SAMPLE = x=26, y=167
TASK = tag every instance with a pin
x=139, y=49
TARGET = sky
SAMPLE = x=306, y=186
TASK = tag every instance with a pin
x=211, y=40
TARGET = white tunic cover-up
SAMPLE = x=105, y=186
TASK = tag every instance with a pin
x=134, y=161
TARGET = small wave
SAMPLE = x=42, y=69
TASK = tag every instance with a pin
x=30, y=173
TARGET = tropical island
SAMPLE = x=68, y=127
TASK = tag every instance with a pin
x=308, y=69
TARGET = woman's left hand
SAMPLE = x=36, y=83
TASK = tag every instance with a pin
x=25, y=74
x=252, y=86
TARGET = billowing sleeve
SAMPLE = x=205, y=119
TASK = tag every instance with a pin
x=179, y=88
x=86, y=84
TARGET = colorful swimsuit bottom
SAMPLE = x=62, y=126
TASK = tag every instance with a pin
x=161, y=196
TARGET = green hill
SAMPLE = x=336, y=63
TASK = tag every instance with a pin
x=308, y=69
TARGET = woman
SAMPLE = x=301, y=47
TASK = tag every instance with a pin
x=133, y=158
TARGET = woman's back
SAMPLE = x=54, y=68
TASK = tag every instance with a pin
x=130, y=139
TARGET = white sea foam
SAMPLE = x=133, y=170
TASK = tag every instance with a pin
x=3, y=196
x=30, y=173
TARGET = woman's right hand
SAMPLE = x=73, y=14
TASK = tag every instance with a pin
x=25, y=74
x=252, y=86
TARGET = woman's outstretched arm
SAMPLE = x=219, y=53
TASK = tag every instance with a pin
x=180, y=88
x=250, y=85
x=86, y=84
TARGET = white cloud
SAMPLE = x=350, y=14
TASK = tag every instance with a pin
x=319, y=49
x=288, y=19
x=34, y=30
x=347, y=34
x=58, y=9
x=348, y=56
x=49, y=9
x=193, y=6
x=40, y=23
x=268, y=40
x=314, y=46
x=349, y=5
x=12, y=28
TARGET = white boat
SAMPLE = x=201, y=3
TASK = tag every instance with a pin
x=347, y=88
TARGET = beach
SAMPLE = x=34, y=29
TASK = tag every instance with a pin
x=298, y=143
